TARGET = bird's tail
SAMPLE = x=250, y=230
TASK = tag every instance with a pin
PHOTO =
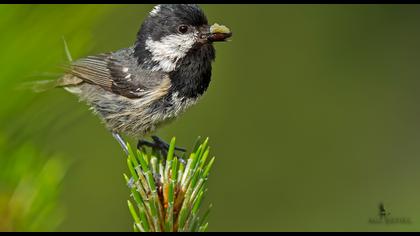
x=63, y=81
x=39, y=86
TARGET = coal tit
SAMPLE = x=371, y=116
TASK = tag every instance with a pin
x=137, y=89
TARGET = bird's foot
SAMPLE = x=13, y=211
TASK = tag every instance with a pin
x=160, y=145
x=121, y=141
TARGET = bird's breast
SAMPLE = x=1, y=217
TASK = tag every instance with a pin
x=174, y=104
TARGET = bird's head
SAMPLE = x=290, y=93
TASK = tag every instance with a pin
x=173, y=31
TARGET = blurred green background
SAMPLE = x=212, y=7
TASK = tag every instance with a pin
x=312, y=114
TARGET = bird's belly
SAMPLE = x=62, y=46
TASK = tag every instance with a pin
x=168, y=112
x=134, y=117
x=147, y=120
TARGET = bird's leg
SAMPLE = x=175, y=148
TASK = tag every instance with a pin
x=121, y=141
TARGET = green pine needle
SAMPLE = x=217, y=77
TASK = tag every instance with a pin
x=67, y=50
x=168, y=193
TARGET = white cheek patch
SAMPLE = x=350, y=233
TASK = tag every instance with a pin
x=155, y=10
x=169, y=50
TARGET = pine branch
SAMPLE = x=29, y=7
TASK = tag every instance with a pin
x=168, y=194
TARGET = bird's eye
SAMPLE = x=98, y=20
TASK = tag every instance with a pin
x=183, y=29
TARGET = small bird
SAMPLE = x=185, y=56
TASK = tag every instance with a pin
x=136, y=90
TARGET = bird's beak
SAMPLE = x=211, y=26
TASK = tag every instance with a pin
x=216, y=33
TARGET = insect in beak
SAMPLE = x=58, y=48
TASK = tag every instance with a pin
x=215, y=33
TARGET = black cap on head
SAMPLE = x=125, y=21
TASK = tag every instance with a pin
x=164, y=19
x=187, y=13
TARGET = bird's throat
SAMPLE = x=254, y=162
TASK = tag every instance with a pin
x=192, y=77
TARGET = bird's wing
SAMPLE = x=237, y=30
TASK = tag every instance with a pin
x=109, y=73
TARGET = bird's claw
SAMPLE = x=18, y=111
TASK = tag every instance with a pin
x=160, y=145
